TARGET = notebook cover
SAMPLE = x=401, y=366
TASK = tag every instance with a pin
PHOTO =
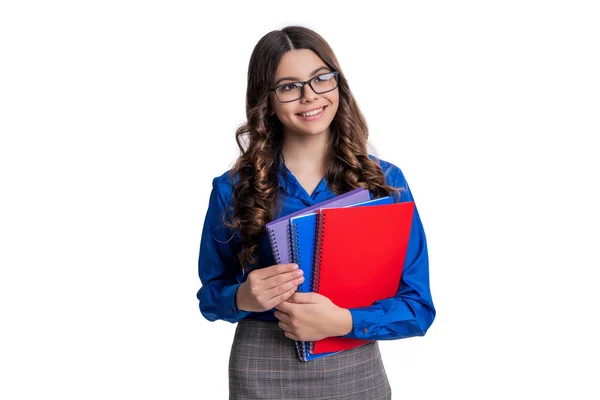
x=278, y=230
x=303, y=235
x=359, y=259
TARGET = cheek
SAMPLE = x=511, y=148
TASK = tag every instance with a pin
x=334, y=99
x=335, y=102
x=285, y=111
x=337, y=97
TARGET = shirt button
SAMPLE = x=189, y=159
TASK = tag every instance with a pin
x=365, y=330
x=231, y=310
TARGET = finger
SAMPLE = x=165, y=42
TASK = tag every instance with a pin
x=278, y=269
x=291, y=335
x=277, y=300
x=284, y=288
x=286, y=327
x=280, y=279
x=303, y=298
x=284, y=308
x=283, y=317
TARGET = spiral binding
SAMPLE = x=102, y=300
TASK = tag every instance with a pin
x=295, y=250
x=289, y=248
x=295, y=239
x=277, y=257
x=318, y=258
x=318, y=252
x=274, y=247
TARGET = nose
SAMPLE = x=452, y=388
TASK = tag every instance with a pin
x=308, y=93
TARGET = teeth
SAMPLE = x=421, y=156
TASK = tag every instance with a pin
x=314, y=112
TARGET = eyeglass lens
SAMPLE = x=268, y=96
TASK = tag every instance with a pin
x=320, y=84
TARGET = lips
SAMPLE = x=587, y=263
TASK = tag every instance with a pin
x=317, y=108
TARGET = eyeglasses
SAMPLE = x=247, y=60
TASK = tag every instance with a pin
x=293, y=91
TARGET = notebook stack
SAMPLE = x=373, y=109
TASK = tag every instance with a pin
x=352, y=251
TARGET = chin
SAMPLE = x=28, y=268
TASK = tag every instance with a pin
x=313, y=131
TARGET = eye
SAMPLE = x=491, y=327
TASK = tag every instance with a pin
x=287, y=88
x=324, y=77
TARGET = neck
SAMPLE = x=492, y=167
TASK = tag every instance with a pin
x=306, y=153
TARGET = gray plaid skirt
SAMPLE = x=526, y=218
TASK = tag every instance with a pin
x=263, y=365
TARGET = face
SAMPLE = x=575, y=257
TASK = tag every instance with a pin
x=299, y=66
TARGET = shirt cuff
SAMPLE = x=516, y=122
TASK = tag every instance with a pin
x=364, y=324
x=232, y=313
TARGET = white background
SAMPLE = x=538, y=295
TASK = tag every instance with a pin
x=116, y=115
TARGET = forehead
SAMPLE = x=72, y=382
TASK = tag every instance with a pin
x=298, y=64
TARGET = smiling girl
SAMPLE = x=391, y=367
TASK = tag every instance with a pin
x=305, y=141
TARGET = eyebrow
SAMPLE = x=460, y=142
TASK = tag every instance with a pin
x=291, y=78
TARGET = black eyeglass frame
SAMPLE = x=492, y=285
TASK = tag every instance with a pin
x=309, y=82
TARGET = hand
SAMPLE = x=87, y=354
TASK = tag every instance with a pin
x=267, y=287
x=311, y=316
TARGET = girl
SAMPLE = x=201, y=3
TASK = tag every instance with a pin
x=305, y=141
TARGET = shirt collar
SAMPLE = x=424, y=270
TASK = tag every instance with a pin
x=289, y=183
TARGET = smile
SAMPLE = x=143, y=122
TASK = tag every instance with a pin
x=312, y=113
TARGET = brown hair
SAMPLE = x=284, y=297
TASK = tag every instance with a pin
x=260, y=140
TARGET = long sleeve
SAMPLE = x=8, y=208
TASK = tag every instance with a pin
x=217, y=265
x=411, y=311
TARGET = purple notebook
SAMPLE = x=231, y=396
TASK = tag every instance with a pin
x=279, y=229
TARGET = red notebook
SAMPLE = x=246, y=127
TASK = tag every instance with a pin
x=359, y=259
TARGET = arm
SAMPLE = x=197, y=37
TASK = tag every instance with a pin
x=217, y=265
x=411, y=311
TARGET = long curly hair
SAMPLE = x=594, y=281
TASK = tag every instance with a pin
x=260, y=141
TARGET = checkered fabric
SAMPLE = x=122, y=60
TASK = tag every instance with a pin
x=263, y=365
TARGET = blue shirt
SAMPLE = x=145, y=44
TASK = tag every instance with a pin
x=409, y=313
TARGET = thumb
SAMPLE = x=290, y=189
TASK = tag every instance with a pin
x=303, y=298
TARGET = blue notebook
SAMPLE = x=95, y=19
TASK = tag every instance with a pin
x=302, y=237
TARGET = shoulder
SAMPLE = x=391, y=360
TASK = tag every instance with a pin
x=393, y=174
x=223, y=181
x=223, y=187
